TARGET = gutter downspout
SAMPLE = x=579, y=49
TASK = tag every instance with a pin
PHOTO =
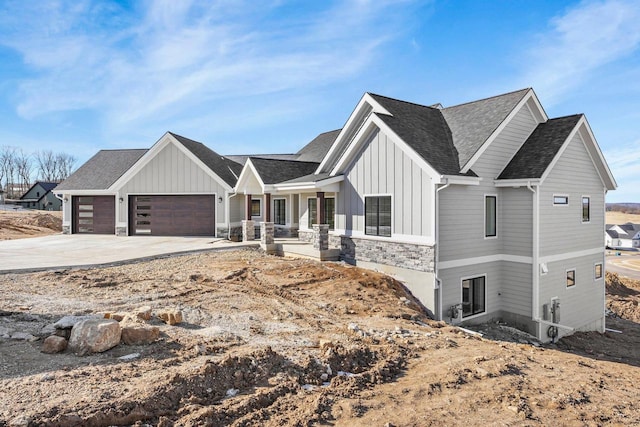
x=228, y=212
x=535, y=296
x=437, y=245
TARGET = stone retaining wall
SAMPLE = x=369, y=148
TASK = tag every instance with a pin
x=404, y=255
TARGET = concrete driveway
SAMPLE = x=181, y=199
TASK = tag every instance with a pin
x=60, y=251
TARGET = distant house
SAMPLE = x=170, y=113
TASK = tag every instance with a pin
x=624, y=236
x=41, y=197
x=468, y=205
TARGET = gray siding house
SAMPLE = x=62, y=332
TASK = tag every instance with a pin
x=41, y=196
x=467, y=205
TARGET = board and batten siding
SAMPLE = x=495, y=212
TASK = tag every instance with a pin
x=172, y=172
x=382, y=168
x=506, y=144
x=561, y=227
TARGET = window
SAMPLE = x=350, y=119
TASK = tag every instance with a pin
x=571, y=278
x=473, y=293
x=377, y=216
x=560, y=200
x=490, y=216
x=312, y=212
x=255, y=207
x=586, y=210
x=329, y=212
x=598, y=271
x=279, y=209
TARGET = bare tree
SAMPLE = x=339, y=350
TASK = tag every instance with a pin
x=24, y=167
x=64, y=165
x=8, y=165
x=46, y=164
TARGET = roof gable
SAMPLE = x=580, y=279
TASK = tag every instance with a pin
x=273, y=171
x=102, y=170
x=317, y=149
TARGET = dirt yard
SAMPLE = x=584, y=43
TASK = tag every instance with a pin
x=272, y=341
x=22, y=224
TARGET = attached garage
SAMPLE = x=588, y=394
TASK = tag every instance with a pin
x=155, y=215
x=94, y=214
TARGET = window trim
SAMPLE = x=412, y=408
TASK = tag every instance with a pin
x=566, y=278
x=566, y=196
x=595, y=271
x=391, y=230
x=310, y=224
x=588, y=209
x=259, y=204
x=486, y=299
x=494, y=236
x=285, y=210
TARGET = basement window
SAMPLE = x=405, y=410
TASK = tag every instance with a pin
x=473, y=296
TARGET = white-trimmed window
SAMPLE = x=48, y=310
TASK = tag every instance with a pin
x=490, y=215
x=560, y=200
x=586, y=209
x=571, y=278
x=256, y=207
x=329, y=211
x=473, y=296
x=377, y=216
x=279, y=211
x=598, y=271
x=312, y=212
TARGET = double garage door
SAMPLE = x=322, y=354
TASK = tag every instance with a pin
x=148, y=215
x=172, y=215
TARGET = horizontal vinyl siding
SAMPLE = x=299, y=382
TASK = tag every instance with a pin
x=581, y=304
x=516, y=221
x=172, y=172
x=452, y=285
x=516, y=288
x=561, y=227
x=383, y=168
x=505, y=145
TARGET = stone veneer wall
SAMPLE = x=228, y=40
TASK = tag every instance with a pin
x=66, y=229
x=305, y=236
x=404, y=255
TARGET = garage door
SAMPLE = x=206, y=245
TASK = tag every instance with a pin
x=172, y=215
x=94, y=214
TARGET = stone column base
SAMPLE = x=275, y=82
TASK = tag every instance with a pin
x=248, y=230
x=267, y=232
x=321, y=236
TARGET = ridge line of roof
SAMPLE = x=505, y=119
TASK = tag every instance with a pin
x=282, y=160
x=401, y=100
x=487, y=98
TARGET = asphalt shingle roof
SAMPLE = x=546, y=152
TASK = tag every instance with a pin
x=538, y=151
x=225, y=168
x=313, y=177
x=472, y=123
x=273, y=171
x=315, y=150
x=102, y=170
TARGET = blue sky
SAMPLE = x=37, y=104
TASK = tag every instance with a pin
x=254, y=77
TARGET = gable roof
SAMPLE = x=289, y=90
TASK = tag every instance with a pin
x=225, y=168
x=273, y=171
x=315, y=150
x=102, y=170
x=424, y=129
x=539, y=150
x=472, y=123
x=242, y=158
x=46, y=186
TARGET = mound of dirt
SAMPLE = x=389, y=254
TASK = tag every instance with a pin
x=21, y=224
x=623, y=296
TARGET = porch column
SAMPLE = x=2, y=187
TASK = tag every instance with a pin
x=267, y=207
x=248, y=230
x=320, y=217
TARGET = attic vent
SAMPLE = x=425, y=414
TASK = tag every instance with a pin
x=438, y=106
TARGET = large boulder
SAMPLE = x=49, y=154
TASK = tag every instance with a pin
x=94, y=336
x=136, y=335
x=54, y=344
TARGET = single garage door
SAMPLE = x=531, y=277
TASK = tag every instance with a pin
x=172, y=215
x=94, y=214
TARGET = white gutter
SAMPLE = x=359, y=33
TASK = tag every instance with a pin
x=535, y=296
x=228, y=213
x=437, y=245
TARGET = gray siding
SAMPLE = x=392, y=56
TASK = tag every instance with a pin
x=516, y=289
x=561, y=227
x=516, y=221
x=383, y=168
x=505, y=145
x=172, y=172
x=452, y=285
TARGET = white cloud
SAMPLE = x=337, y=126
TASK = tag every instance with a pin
x=177, y=56
x=581, y=41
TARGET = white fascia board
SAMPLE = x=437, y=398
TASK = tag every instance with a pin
x=515, y=182
x=530, y=95
x=87, y=193
x=366, y=99
x=247, y=170
x=600, y=163
x=328, y=185
x=561, y=151
x=374, y=121
x=166, y=139
x=459, y=180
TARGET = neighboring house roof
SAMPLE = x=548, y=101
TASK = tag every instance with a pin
x=472, y=123
x=424, y=129
x=315, y=150
x=46, y=186
x=613, y=233
x=242, y=158
x=102, y=170
x=225, y=168
x=539, y=150
x=273, y=171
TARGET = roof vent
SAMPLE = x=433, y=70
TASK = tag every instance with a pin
x=438, y=106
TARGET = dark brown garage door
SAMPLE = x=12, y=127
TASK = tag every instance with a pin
x=94, y=214
x=172, y=215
